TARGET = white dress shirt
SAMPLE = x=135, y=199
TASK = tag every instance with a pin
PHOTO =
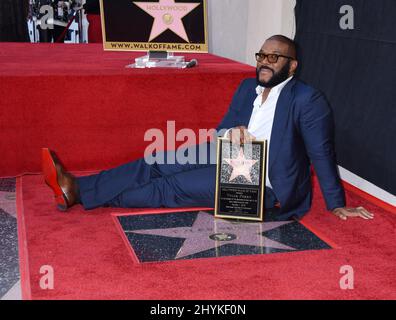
x=262, y=118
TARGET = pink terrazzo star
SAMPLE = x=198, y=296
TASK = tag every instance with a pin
x=197, y=237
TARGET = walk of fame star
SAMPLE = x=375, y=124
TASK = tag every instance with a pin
x=183, y=235
x=167, y=14
x=199, y=237
x=241, y=166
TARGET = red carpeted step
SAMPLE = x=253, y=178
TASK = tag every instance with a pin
x=90, y=260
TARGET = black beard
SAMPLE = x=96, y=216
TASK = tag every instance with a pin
x=277, y=77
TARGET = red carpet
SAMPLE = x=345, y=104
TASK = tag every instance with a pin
x=91, y=261
x=80, y=99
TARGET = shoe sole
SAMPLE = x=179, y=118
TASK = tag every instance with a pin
x=51, y=179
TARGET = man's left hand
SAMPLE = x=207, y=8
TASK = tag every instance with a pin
x=345, y=213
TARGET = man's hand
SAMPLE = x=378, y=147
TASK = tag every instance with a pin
x=345, y=213
x=240, y=135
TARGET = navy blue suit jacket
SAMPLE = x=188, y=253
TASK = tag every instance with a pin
x=302, y=132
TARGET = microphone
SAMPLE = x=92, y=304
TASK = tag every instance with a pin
x=191, y=64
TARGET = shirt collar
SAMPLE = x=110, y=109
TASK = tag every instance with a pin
x=277, y=89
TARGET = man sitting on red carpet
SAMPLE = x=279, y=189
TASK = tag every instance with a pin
x=293, y=117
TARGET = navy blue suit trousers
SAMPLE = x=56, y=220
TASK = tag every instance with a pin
x=138, y=184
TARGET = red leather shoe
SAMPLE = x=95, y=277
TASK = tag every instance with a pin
x=61, y=182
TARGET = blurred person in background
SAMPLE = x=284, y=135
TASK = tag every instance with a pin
x=92, y=9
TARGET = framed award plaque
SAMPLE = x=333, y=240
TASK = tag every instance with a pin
x=154, y=25
x=240, y=180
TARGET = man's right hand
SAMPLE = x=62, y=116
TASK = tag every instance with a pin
x=239, y=135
